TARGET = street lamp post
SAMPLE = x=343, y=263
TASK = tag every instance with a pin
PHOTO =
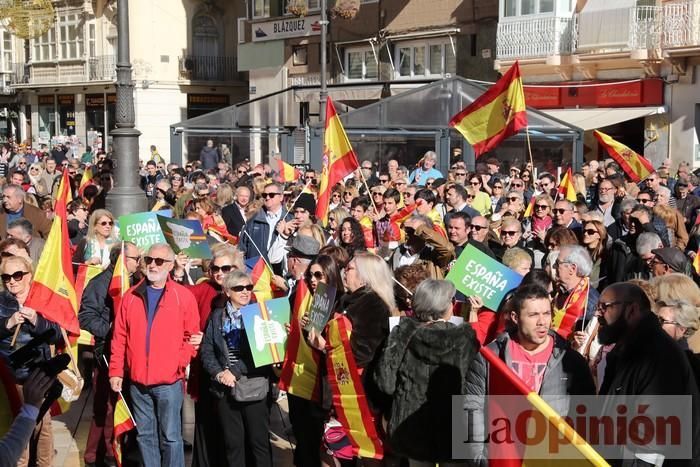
x=126, y=196
x=323, y=95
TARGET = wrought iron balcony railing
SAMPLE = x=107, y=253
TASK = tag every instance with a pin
x=83, y=70
x=208, y=68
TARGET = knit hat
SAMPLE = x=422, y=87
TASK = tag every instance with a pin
x=306, y=201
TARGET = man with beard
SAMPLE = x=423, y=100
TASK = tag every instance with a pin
x=156, y=334
x=645, y=361
x=607, y=205
x=540, y=357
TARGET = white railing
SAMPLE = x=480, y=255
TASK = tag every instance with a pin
x=535, y=37
x=681, y=23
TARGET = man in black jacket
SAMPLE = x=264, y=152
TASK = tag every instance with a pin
x=234, y=214
x=96, y=315
x=644, y=362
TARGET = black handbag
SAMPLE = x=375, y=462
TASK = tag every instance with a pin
x=250, y=389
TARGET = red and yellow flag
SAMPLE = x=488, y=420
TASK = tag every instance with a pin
x=566, y=188
x=123, y=422
x=635, y=166
x=349, y=399
x=261, y=276
x=52, y=292
x=85, y=180
x=339, y=160
x=497, y=114
x=86, y=272
x=64, y=192
x=574, y=308
x=502, y=381
x=530, y=208
x=119, y=283
x=287, y=172
x=10, y=400
x=696, y=262
x=300, y=370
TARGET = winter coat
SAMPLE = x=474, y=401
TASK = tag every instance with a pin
x=176, y=319
x=96, y=312
x=435, y=255
x=421, y=367
x=369, y=316
x=209, y=157
x=8, y=307
x=567, y=374
x=259, y=230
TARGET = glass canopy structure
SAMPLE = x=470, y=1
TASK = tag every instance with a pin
x=403, y=127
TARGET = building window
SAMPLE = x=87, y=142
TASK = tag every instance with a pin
x=527, y=7
x=261, y=8
x=45, y=46
x=360, y=64
x=91, y=40
x=71, y=36
x=429, y=58
x=7, y=51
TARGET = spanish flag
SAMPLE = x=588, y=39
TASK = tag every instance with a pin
x=339, y=160
x=123, y=422
x=10, y=400
x=696, y=262
x=287, y=172
x=52, y=292
x=574, y=308
x=86, y=272
x=530, y=208
x=566, y=188
x=261, y=276
x=635, y=166
x=119, y=284
x=349, y=399
x=300, y=370
x=573, y=450
x=496, y=115
x=85, y=180
x=64, y=192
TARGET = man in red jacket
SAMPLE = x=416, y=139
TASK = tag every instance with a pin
x=156, y=334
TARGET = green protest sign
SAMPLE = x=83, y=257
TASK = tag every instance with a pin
x=476, y=273
x=264, y=325
x=142, y=228
x=186, y=236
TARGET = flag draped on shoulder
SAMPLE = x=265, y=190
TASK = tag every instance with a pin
x=123, y=422
x=300, y=370
x=52, y=293
x=566, y=188
x=574, y=308
x=635, y=166
x=495, y=115
x=287, y=172
x=349, y=399
x=502, y=381
x=338, y=160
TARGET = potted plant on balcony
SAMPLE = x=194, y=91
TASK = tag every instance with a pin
x=346, y=9
x=297, y=7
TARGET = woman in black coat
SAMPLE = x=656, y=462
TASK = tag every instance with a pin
x=227, y=358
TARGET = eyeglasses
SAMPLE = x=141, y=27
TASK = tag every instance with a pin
x=605, y=306
x=37, y=168
x=559, y=210
x=309, y=177
x=105, y=223
x=509, y=233
x=604, y=189
x=226, y=268
x=366, y=167
x=590, y=231
x=399, y=183
x=541, y=206
x=159, y=261
x=241, y=288
x=23, y=163
x=478, y=227
x=470, y=196
x=176, y=179
x=318, y=275
x=663, y=321
x=240, y=172
x=375, y=193
x=643, y=200
x=269, y=195
x=517, y=185
x=17, y=276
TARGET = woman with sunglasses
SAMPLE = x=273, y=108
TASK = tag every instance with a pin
x=540, y=223
x=481, y=201
x=594, y=238
x=177, y=182
x=94, y=248
x=37, y=184
x=25, y=323
x=227, y=359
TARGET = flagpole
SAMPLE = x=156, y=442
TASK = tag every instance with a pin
x=14, y=336
x=529, y=151
x=302, y=192
x=128, y=410
x=369, y=193
x=402, y=286
x=259, y=252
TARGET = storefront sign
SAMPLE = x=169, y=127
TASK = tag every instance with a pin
x=45, y=100
x=646, y=92
x=220, y=100
x=287, y=27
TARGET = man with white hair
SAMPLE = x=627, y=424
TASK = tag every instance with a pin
x=426, y=170
x=234, y=214
x=14, y=207
x=573, y=267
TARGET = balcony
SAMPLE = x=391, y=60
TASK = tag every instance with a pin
x=619, y=29
x=535, y=37
x=100, y=68
x=208, y=68
x=681, y=24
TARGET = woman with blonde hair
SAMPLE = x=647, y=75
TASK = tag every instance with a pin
x=678, y=286
x=224, y=195
x=579, y=182
x=101, y=235
x=335, y=218
x=594, y=239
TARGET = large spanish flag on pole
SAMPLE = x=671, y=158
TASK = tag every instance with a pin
x=566, y=188
x=52, y=293
x=123, y=422
x=349, y=397
x=85, y=180
x=496, y=115
x=300, y=370
x=339, y=160
x=635, y=166
x=573, y=450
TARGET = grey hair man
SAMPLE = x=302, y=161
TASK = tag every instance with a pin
x=426, y=170
x=573, y=267
x=22, y=229
x=14, y=207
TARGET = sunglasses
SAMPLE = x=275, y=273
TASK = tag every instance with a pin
x=310, y=177
x=17, y=276
x=559, y=211
x=176, y=179
x=226, y=268
x=269, y=195
x=497, y=187
x=513, y=199
x=460, y=174
x=474, y=183
x=384, y=180
x=241, y=288
x=541, y=206
x=590, y=231
x=318, y=275
x=240, y=172
x=478, y=227
x=105, y=223
x=159, y=261
x=643, y=200
x=509, y=233
x=22, y=163
x=470, y=196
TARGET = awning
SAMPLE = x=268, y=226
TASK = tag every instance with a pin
x=590, y=119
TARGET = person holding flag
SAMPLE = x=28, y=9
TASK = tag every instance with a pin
x=18, y=325
x=98, y=308
x=576, y=299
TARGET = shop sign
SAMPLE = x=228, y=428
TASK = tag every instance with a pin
x=641, y=93
x=287, y=27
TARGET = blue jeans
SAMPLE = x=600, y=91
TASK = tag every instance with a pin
x=156, y=411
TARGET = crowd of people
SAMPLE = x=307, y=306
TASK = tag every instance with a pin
x=391, y=237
